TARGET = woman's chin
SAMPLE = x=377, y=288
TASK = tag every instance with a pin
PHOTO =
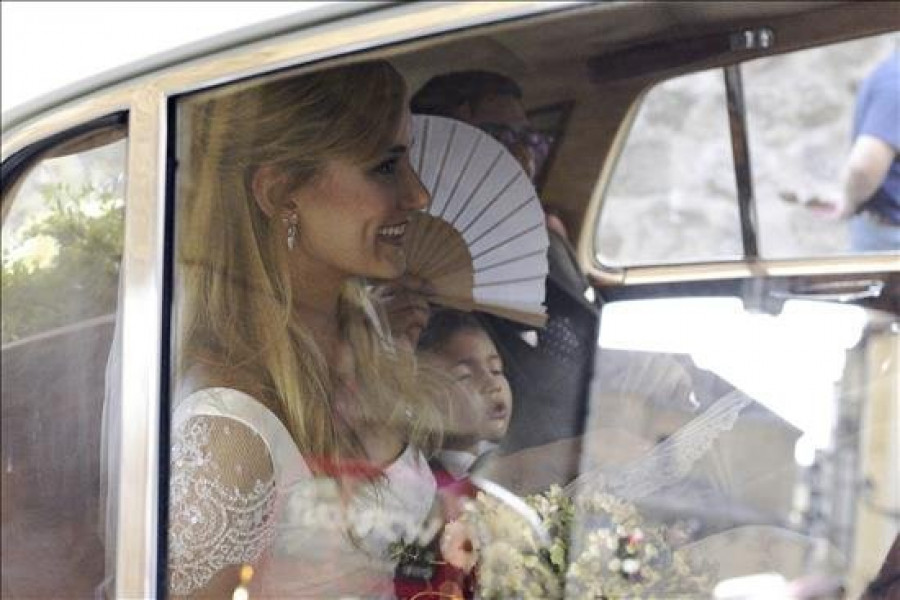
x=390, y=268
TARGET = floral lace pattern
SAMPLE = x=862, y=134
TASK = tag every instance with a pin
x=241, y=493
x=672, y=460
x=214, y=523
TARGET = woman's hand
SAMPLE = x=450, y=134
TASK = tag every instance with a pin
x=405, y=303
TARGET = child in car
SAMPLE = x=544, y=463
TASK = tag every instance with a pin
x=457, y=343
x=479, y=406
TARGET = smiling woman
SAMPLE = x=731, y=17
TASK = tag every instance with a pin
x=211, y=223
x=291, y=192
x=373, y=202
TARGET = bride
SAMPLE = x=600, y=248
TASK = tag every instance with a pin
x=298, y=427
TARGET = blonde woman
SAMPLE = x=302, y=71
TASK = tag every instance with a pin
x=298, y=425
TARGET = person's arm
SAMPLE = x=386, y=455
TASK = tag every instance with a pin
x=875, y=145
x=222, y=494
x=868, y=164
x=866, y=167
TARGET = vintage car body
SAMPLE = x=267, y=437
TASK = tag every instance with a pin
x=588, y=67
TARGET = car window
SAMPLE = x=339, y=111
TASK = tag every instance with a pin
x=801, y=133
x=62, y=245
x=322, y=236
x=342, y=424
x=671, y=196
x=747, y=441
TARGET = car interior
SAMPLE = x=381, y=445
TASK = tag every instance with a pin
x=584, y=72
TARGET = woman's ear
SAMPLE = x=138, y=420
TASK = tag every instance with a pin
x=266, y=183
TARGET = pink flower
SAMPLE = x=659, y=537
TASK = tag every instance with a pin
x=458, y=546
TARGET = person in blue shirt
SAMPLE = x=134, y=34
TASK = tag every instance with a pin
x=870, y=183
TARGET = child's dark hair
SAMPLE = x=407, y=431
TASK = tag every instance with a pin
x=443, y=324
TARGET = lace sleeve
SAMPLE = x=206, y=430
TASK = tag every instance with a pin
x=222, y=494
x=669, y=461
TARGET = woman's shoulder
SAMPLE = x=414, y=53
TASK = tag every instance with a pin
x=247, y=412
x=223, y=402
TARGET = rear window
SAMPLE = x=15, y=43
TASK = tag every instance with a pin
x=672, y=196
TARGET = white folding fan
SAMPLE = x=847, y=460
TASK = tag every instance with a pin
x=482, y=241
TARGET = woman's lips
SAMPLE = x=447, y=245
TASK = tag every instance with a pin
x=393, y=234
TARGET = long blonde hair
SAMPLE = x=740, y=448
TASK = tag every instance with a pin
x=235, y=311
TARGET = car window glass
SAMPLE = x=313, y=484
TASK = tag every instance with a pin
x=752, y=439
x=671, y=197
x=290, y=191
x=62, y=245
x=801, y=131
x=697, y=444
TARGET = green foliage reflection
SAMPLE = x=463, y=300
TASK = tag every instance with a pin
x=63, y=266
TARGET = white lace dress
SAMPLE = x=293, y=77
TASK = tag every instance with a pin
x=241, y=493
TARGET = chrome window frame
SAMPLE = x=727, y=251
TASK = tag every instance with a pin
x=144, y=94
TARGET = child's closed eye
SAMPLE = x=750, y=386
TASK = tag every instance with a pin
x=462, y=374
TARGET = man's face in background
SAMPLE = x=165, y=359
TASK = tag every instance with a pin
x=504, y=118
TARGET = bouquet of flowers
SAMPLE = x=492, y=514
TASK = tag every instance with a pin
x=616, y=554
x=595, y=546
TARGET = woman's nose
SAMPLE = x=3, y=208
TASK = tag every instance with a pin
x=416, y=197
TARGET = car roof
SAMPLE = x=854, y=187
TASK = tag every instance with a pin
x=270, y=28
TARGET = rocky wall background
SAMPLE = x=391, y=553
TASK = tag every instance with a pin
x=672, y=195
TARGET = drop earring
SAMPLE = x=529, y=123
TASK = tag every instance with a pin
x=293, y=230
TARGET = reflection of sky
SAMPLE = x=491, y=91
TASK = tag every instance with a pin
x=789, y=363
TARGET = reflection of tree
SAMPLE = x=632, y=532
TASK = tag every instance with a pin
x=71, y=271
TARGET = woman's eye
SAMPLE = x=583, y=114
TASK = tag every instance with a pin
x=388, y=167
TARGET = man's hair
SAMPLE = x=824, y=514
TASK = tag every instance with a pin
x=443, y=325
x=444, y=94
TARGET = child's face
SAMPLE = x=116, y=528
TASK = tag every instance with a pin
x=474, y=363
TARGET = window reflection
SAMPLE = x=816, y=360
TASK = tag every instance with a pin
x=779, y=359
x=312, y=444
x=672, y=197
x=300, y=429
x=761, y=431
x=802, y=132
x=62, y=245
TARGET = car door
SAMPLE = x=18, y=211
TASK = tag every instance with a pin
x=747, y=351
x=746, y=367
x=742, y=411
x=87, y=336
